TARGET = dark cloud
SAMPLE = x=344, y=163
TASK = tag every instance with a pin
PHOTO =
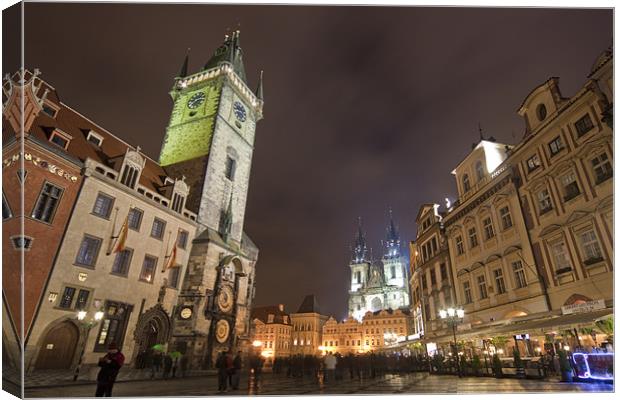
x=366, y=108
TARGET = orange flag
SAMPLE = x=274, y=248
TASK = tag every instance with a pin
x=173, y=257
x=122, y=236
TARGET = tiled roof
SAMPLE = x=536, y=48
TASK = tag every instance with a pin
x=262, y=314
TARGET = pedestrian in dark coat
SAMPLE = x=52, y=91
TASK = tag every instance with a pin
x=167, y=365
x=156, y=364
x=110, y=364
x=222, y=373
x=236, y=376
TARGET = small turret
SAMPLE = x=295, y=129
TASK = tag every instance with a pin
x=360, y=250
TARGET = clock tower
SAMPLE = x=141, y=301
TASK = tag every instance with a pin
x=210, y=141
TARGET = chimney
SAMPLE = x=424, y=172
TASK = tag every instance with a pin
x=281, y=307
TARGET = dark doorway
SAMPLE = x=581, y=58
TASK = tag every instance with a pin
x=58, y=347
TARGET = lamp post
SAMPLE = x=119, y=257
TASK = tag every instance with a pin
x=453, y=316
x=88, y=324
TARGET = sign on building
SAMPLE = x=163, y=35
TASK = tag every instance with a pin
x=584, y=307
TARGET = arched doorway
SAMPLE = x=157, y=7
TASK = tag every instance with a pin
x=58, y=347
x=153, y=328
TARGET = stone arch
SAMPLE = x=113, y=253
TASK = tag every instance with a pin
x=576, y=298
x=153, y=327
x=236, y=262
x=65, y=336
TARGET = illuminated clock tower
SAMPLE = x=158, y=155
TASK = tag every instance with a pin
x=210, y=141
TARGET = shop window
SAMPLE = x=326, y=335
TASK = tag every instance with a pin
x=113, y=325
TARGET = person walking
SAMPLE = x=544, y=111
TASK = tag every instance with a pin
x=110, y=364
x=222, y=374
x=236, y=376
x=330, y=367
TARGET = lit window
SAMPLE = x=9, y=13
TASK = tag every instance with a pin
x=544, y=201
x=504, y=214
x=459, y=245
x=158, y=228
x=122, y=262
x=135, y=219
x=47, y=202
x=533, y=163
x=584, y=125
x=67, y=297
x=482, y=287
x=82, y=299
x=569, y=185
x=556, y=145
x=148, y=269
x=590, y=246
x=473, y=237
x=88, y=251
x=488, y=228
x=499, y=281
x=560, y=255
x=519, y=273
x=103, y=206
x=602, y=168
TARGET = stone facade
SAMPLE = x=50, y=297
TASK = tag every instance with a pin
x=307, y=327
x=271, y=331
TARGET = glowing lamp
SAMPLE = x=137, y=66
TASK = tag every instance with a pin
x=567, y=348
x=500, y=351
x=81, y=315
x=98, y=315
x=460, y=313
x=257, y=343
x=451, y=312
x=443, y=313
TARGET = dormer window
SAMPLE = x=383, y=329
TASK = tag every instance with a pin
x=94, y=139
x=541, y=112
x=130, y=176
x=479, y=171
x=466, y=185
x=60, y=139
x=49, y=110
x=180, y=191
x=178, y=202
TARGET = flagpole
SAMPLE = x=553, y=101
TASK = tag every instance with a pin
x=112, y=237
x=166, y=257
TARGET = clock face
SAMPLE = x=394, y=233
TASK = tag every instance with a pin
x=186, y=313
x=222, y=329
x=196, y=100
x=225, y=299
x=239, y=110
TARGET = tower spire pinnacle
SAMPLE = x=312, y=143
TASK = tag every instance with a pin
x=360, y=250
x=392, y=242
x=259, y=88
x=183, y=71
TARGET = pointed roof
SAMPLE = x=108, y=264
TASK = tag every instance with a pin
x=259, y=89
x=360, y=250
x=183, y=70
x=309, y=305
x=392, y=232
x=392, y=240
x=229, y=52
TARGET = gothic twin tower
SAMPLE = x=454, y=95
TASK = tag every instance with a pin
x=378, y=285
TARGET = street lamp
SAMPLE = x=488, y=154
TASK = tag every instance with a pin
x=453, y=316
x=88, y=324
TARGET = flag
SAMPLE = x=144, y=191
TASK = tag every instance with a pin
x=173, y=257
x=122, y=236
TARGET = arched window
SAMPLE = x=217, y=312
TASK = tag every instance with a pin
x=479, y=170
x=466, y=186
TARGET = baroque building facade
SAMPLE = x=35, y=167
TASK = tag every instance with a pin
x=271, y=331
x=378, y=285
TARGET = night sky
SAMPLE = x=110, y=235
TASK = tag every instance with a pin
x=365, y=108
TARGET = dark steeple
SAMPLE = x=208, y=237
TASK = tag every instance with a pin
x=259, y=89
x=309, y=305
x=359, y=245
x=183, y=71
x=392, y=240
x=230, y=53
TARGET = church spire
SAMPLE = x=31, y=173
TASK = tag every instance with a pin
x=360, y=250
x=392, y=242
x=229, y=53
x=183, y=71
x=259, y=89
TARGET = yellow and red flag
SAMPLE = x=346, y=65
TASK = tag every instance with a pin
x=122, y=236
x=173, y=257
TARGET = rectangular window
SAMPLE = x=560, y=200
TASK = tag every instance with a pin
x=473, y=238
x=122, y=262
x=178, y=202
x=499, y=281
x=504, y=214
x=488, y=228
x=433, y=278
x=49, y=110
x=82, y=299
x=590, y=246
x=602, y=168
x=6, y=210
x=569, y=185
x=424, y=282
x=393, y=272
x=583, y=125
x=135, y=219
x=94, y=139
x=130, y=176
x=560, y=256
x=444, y=272
x=148, y=269
x=158, y=228
x=231, y=165
x=173, y=277
x=103, y=206
x=59, y=140
x=533, y=163
x=467, y=292
x=88, y=251
x=482, y=287
x=47, y=202
x=519, y=272
x=182, y=240
x=434, y=245
x=556, y=145
x=358, y=277
x=544, y=201
x=67, y=298
x=459, y=245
